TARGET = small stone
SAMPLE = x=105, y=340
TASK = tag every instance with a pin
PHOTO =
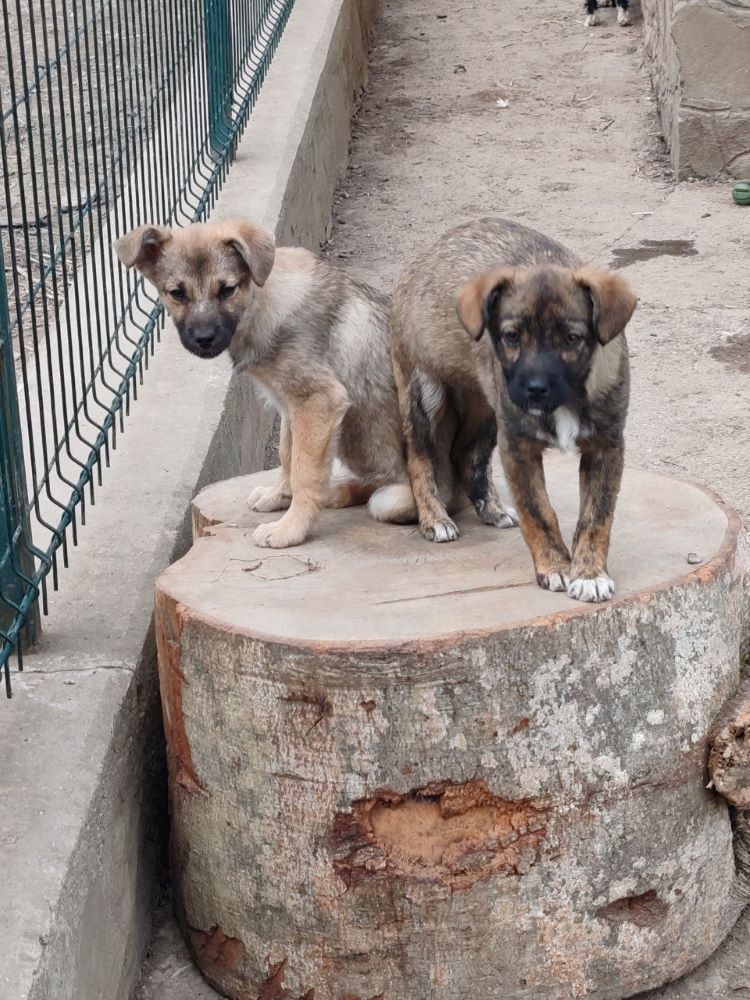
x=693, y=558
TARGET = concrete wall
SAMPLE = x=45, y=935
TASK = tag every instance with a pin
x=699, y=52
x=82, y=797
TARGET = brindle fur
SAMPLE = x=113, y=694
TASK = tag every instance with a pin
x=534, y=298
x=453, y=439
x=313, y=338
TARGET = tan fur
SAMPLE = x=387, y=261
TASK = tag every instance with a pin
x=313, y=338
x=254, y=246
x=472, y=297
x=614, y=301
x=606, y=366
x=349, y=493
x=314, y=423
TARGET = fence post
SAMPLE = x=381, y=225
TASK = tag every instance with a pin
x=17, y=567
x=218, y=38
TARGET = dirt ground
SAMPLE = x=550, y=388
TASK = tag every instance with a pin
x=576, y=153
x=573, y=149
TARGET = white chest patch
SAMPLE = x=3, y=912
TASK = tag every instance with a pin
x=567, y=429
x=270, y=397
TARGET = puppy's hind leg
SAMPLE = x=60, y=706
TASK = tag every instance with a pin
x=419, y=414
x=592, y=18
x=349, y=493
x=472, y=458
x=434, y=522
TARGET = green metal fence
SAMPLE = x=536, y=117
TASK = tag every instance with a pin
x=114, y=113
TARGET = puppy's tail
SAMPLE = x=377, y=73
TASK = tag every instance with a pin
x=394, y=503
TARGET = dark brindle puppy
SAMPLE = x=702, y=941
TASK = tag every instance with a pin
x=556, y=328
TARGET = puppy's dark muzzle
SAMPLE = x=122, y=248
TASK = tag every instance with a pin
x=206, y=340
x=538, y=392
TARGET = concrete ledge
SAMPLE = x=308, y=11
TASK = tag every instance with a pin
x=699, y=52
x=82, y=803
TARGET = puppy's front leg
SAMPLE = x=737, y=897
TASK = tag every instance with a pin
x=522, y=462
x=600, y=477
x=278, y=496
x=314, y=422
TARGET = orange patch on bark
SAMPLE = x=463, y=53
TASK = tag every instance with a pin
x=457, y=834
x=171, y=680
x=215, y=949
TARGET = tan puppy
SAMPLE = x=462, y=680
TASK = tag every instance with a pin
x=314, y=339
x=556, y=329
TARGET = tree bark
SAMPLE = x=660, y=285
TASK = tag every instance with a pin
x=729, y=755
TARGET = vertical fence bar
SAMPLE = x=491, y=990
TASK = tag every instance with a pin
x=218, y=36
x=17, y=565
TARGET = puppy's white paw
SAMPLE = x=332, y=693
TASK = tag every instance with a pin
x=441, y=531
x=623, y=18
x=279, y=535
x=592, y=589
x=499, y=517
x=267, y=498
x=552, y=581
x=591, y=20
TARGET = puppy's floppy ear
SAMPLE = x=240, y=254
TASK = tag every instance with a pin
x=255, y=246
x=477, y=299
x=143, y=246
x=613, y=298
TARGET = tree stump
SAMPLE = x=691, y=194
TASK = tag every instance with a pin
x=402, y=770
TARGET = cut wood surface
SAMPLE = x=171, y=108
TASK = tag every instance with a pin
x=402, y=769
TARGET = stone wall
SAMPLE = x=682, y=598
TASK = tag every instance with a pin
x=699, y=53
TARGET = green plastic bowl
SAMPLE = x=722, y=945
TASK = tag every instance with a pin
x=741, y=193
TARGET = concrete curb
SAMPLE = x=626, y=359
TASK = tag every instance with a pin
x=82, y=797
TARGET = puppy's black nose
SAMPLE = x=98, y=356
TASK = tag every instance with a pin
x=537, y=388
x=204, y=338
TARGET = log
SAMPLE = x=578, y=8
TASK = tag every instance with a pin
x=402, y=770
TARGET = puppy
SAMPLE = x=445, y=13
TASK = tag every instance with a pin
x=556, y=328
x=313, y=338
x=623, y=14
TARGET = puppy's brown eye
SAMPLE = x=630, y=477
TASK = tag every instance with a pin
x=511, y=338
x=572, y=340
x=227, y=291
x=178, y=294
